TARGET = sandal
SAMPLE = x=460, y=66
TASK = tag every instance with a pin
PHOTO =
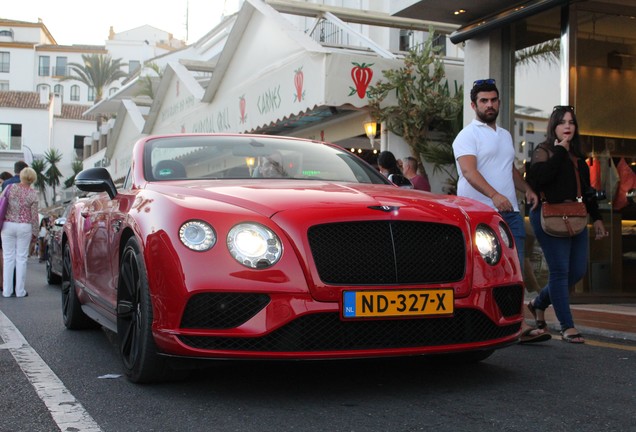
x=532, y=335
x=541, y=324
x=575, y=338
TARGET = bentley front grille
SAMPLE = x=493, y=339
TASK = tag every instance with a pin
x=388, y=252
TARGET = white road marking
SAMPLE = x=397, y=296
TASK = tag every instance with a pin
x=67, y=412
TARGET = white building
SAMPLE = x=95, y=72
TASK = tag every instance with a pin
x=41, y=111
x=300, y=80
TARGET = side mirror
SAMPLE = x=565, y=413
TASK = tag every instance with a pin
x=96, y=180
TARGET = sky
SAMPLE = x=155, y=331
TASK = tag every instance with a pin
x=88, y=22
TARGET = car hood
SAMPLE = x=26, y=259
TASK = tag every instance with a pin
x=269, y=198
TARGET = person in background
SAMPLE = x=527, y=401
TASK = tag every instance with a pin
x=17, y=168
x=5, y=175
x=552, y=173
x=19, y=229
x=272, y=166
x=42, y=238
x=409, y=168
x=485, y=156
x=389, y=167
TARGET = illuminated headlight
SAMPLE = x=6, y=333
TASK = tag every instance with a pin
x=254, y=245
x=488, y=244
x=197, y=235
x=505, y=234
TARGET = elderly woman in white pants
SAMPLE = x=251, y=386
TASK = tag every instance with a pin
x=19, y=229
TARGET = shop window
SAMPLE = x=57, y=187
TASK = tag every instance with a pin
x=75, y=92
x=537, y=86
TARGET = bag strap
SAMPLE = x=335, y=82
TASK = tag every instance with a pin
x=579, y=195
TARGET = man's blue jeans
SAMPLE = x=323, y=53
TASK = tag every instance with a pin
x=567, y=262
x=518, y=230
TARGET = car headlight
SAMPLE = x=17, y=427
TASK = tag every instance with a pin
x=254, y=245
x=197, y=235
x=488, y=244
x=506, y=235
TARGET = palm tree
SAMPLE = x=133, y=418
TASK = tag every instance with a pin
x=77, y=167
x=39, y=165
x=53, y=174
x=147, y=83
x=548, y=52
x=98, y=71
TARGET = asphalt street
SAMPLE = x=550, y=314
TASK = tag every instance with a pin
x=54, y=379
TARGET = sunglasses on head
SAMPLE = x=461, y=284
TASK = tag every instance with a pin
x=563, y=108
x=483, y=81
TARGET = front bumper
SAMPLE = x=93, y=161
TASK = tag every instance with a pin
x=283, y=326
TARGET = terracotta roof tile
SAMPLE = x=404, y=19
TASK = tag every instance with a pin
x=74, y=112
x=21, y=99
x=31, y=100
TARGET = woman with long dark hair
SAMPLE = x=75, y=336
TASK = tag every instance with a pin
x=553, y=176
x=388, y=165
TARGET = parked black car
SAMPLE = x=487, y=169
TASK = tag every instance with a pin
x=54, y=250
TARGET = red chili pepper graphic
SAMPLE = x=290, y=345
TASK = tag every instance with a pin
x=299, y=77
x=361, y=75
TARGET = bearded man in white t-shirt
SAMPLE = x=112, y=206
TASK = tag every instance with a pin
x=485, y=157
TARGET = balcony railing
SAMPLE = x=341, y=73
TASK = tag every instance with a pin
x=53, y=71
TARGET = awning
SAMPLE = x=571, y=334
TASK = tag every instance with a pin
x=503, y=18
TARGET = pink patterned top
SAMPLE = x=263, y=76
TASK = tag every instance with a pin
x=23, y=206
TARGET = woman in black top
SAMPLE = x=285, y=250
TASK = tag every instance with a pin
x=552, y=176
x=389, y=167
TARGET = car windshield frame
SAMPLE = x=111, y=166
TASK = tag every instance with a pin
x=225, y=157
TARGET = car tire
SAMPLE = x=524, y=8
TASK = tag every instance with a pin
x=51, y=278
x=72, y=315
x=137, y=348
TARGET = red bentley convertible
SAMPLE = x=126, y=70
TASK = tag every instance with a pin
x=268, y=247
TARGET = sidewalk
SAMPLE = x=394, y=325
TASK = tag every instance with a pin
x=615, y=321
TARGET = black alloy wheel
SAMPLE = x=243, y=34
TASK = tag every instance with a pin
x=72, y=315
x=137, y=347
x=51, y=278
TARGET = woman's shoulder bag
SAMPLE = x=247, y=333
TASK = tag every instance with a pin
x=565, y=219
x=4, y=204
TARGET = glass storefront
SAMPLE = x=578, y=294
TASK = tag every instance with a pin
x=592, y=66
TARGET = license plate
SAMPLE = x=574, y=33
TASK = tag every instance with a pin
x=362, y=304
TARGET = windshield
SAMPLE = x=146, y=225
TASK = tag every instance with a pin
x=249, y=157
